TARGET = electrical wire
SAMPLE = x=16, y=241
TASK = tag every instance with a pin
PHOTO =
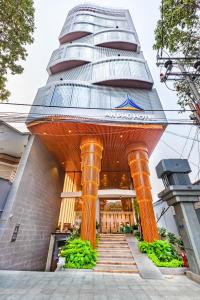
x=169, y=87
x=170, y=147
x=196, y=133
x=62, y=106
x=198, y=147
x=186, y=142
x=183, y=136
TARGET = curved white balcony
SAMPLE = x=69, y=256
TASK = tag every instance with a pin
x=116, y=39
x=100, y=21
x=109, y=38
x=75, y=31
x=70, y=56
x=131, y=73
x=96, y=9
x=121, y=72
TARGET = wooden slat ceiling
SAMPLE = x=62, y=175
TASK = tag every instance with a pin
x=63, y=140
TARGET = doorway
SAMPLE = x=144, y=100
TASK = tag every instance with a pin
x=115, y=214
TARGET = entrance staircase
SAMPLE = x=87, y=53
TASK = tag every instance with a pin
x=115, y=255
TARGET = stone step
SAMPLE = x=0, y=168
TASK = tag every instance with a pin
x=114, y=250
x=111, y=235
x=118, y=260
x=115, y=255
x=115, y=247
x=121, y=247
x=116, y=269
x=113, y=242
x=115, y=262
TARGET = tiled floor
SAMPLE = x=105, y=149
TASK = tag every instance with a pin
x=90, y=285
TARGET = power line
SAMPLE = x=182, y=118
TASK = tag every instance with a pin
x=197, y=176
x=96, y=108
x=183, y=136
x=196, y=133
x=186, y=142
x=170, y=147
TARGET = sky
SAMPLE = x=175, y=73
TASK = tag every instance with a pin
x=49, y=19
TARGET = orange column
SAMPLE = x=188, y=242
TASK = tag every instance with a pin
x=138, y=162
x=91, y=154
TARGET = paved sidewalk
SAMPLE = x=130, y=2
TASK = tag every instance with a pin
x=80, y=285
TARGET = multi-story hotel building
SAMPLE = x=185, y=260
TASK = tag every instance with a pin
x=99, y=118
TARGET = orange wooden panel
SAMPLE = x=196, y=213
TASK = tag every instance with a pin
x=138, y=161
x=63, y=140
x=91, y=154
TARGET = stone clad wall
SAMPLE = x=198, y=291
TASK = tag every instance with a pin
x=34, y=203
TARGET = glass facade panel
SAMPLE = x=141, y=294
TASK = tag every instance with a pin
x=117, y=98
x=83, y=27
x=80, y=97
x=138, y=69
x=73, y=52
x=100, y=71
x=62, y=96
x=101, y=21
x=100, y=99
x=114, y=36
x=79, y=52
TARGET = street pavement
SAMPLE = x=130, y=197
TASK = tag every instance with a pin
x=80, y=285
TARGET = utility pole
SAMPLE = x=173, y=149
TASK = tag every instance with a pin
x=194, y=92
x=181, y=74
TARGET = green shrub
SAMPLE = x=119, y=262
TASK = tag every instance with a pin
x=174, y=263
x=144, y=246
x=137, y=235
x=172, y=238
x=75, y=235
x=163, y=250
x=79, y=255
x=135, y=227
x=161, y=253
x=162, y=232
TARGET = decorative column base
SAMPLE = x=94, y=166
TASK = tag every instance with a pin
x=138, y=162
x=91, y=154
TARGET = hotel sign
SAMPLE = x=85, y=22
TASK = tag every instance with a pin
x=127, y=116
x=128, y=105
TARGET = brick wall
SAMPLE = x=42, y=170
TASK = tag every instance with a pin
x=34, y=203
